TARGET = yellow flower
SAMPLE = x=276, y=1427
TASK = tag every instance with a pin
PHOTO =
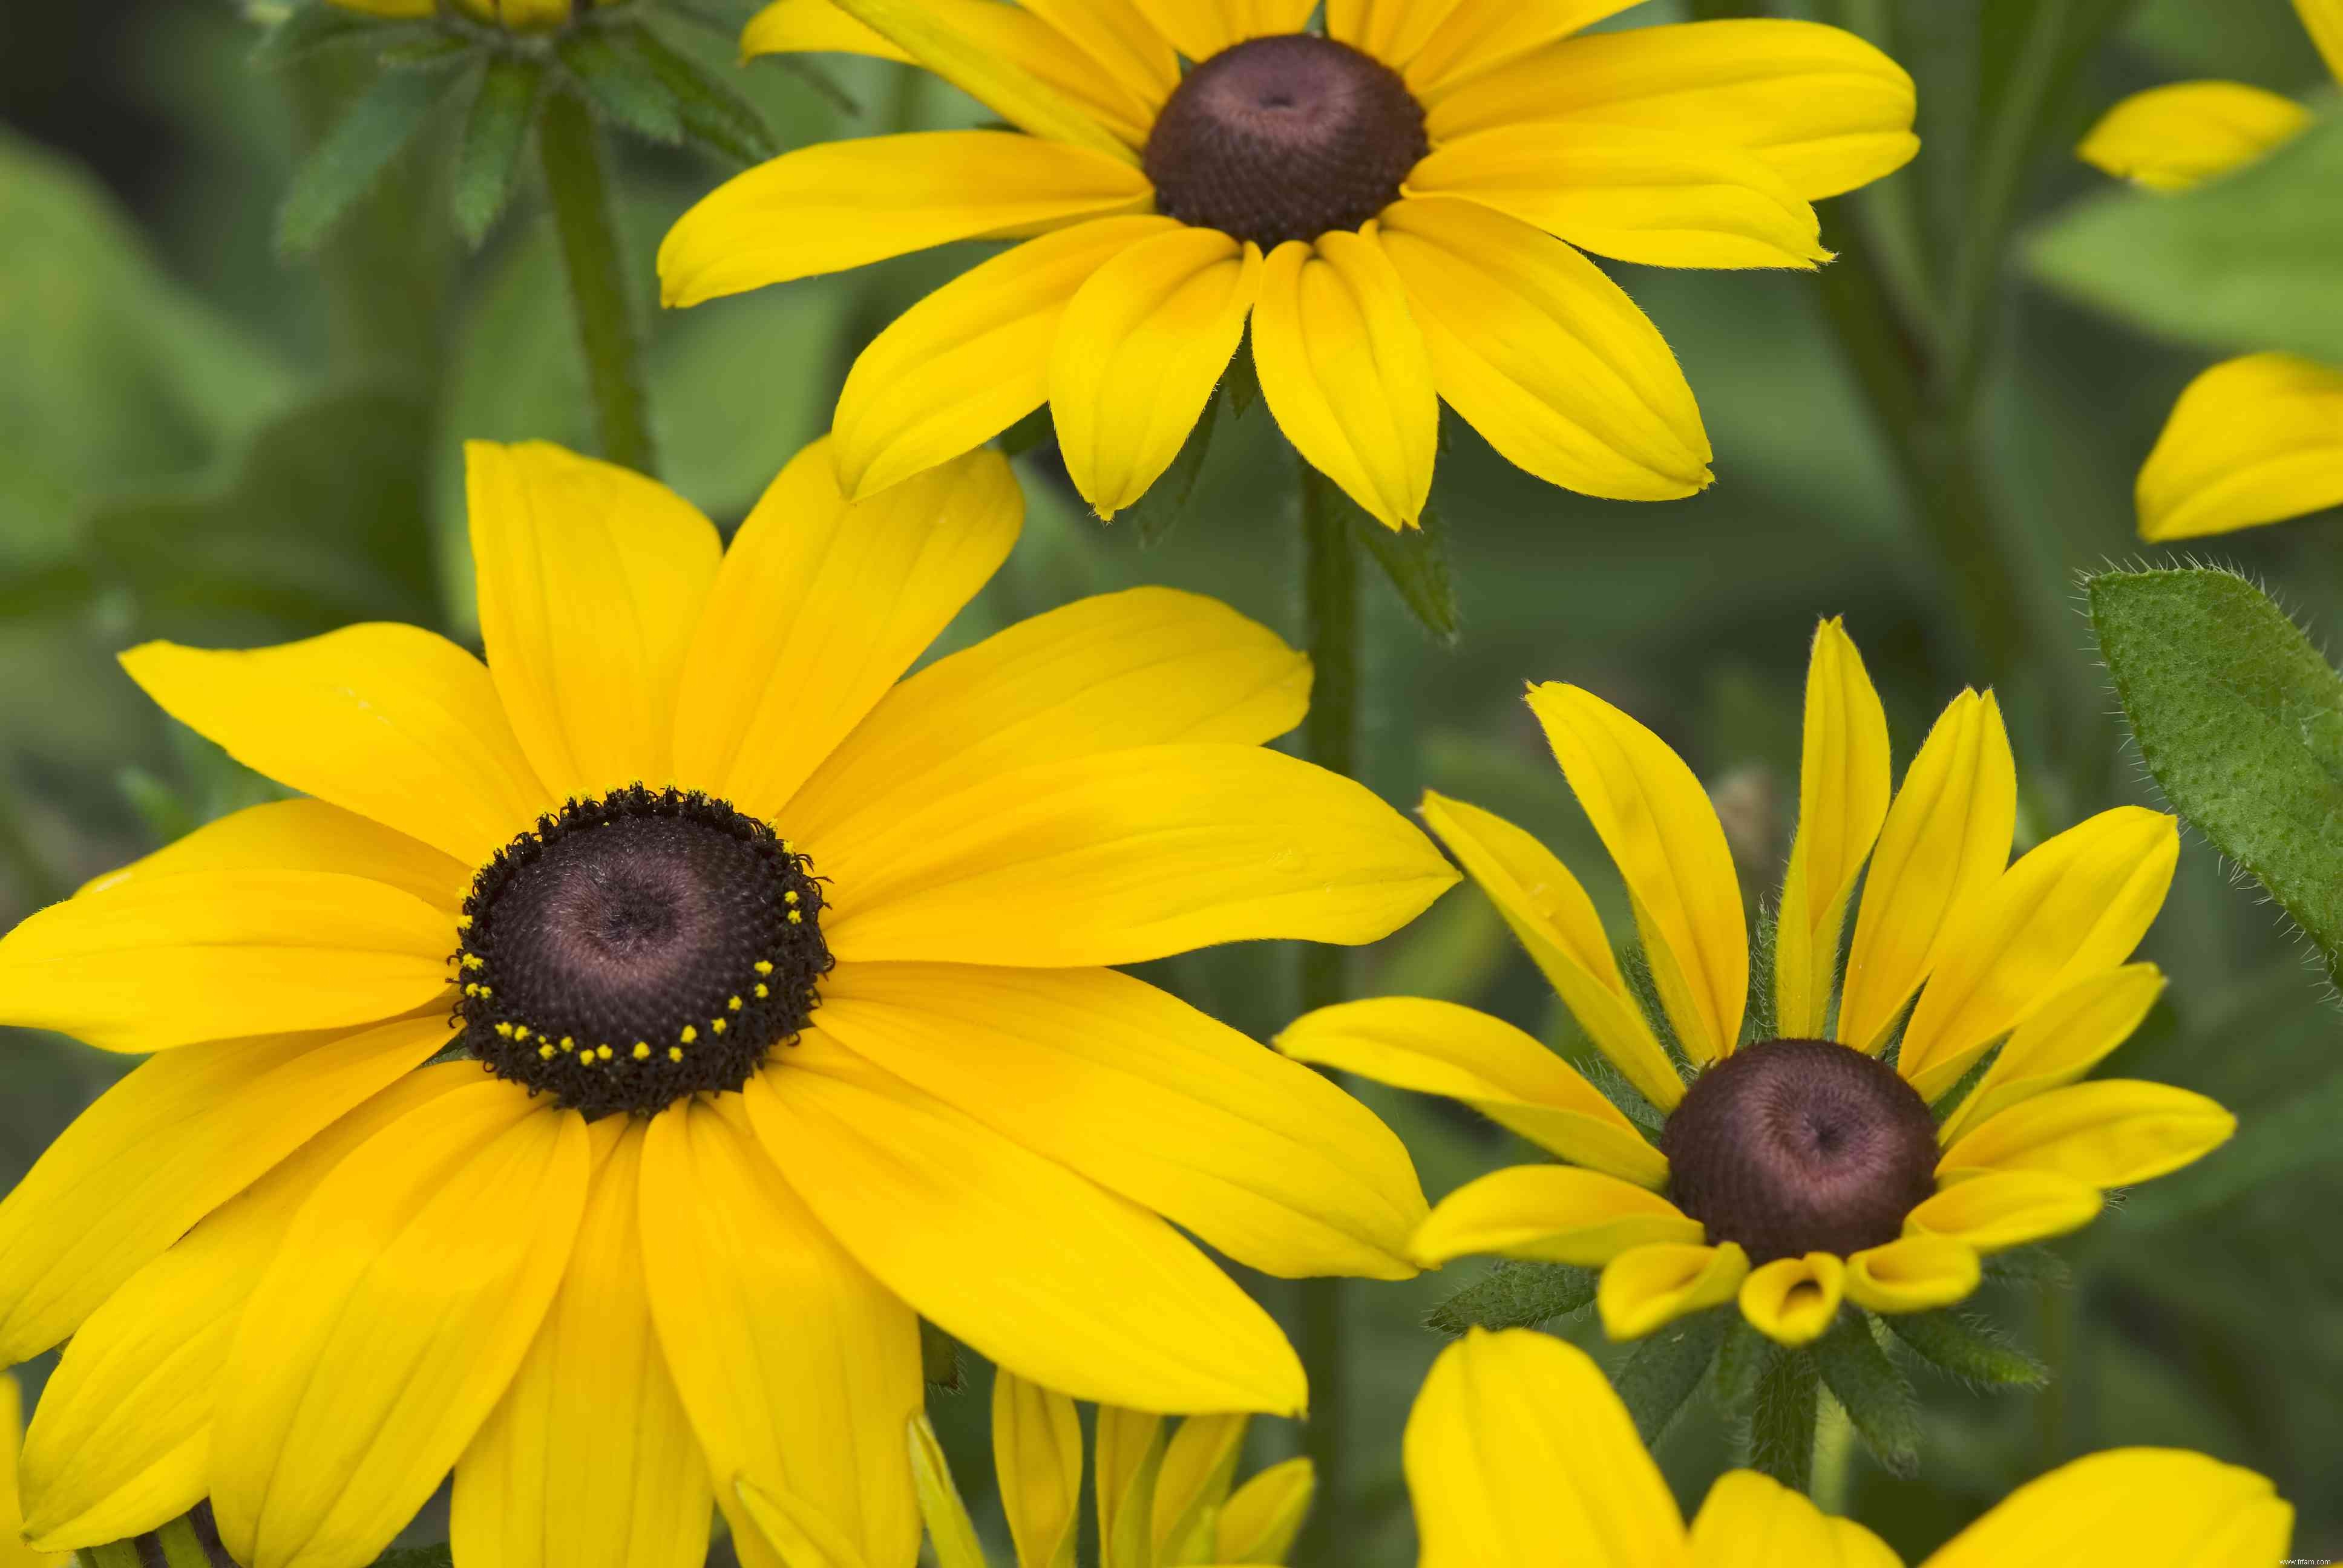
x=1398, y=208
x=2257, y=439
x=521, y=15
x=590, y=1275
x=14, y=1552
x=1520, y=1455
x=1800, y=1169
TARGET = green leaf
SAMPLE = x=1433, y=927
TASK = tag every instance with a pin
x=2295, y=1132
x=1739, y=1360
x=1155, y=514
x=1668, y=1366
x=494, y=133
x=940, y=1359
x=1514, y=1295
x=320, y=26
x=1968, y=1347
x=1781, y=1418
x=1877, y=1398
x=713, y=115
x=621, y=86
x=429, y=53
x=1415, y=561
x=345, y=165
x=2241, y=722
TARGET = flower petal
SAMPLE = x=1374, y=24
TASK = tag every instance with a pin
x=820, y=606
x=1262, y=1521
x=840, y=204
x=2141, y=1507
x=2252, y=440
x=2060, y=1041
x=1200, y=29
x=592, y=581
x=818, y=26
x=1553, y=917
x=2170, y=138
x=1543, y=355
x=1037, y=1447
x=2109, y=1132
x=1914, y=1273
x=1843, y=790
x=1794, y=1301
x=1440, y=1048
x=1944, y=841
x=1519, y=1453
x=1635, y=196
x=1121, y=45
x=406, y=1293
x=152, y=962
x=1553, y=1213
x=1663, y=833
x=973, y=358
x=1390, y=30
x=1199, y=1467
x=1752, y=1521
x=2074, y=905
x=1476, y=36
x=1647, y=1288
x=393, y=723
x=1128, y=857
x=1258, y=1157
x=303, y=835
x=2007, y=1209
x=1344, y=371
x=1035, y=1267
x=1138, y=354
x=2323, y=20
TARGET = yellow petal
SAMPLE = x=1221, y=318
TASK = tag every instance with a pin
x=1035, y=1267
x=2109, y=1132
x=1145, y=667
x=391, y=722
x=179, y=1136
x=588, y=1462
x=1914, y=1273
x=2170, y=138
x=1200, y=29
x=2007, y=1209
x=1138, y=354
x=2060, y=1041
x=1262, y=1521
x=1843, y=789
x=1476, y=36
x=1519, y=1453
x=798, y=1371
x=2141, y=1507
x=1825, y=110
x=305, y=835
x=817, y=27
x=1555, y=920
x=2324, y=21
x=407, y=1291
x=1665, y=200
x=2074, y=905
x=774, y=1528
x=1650, y=1287
x=840, y=204
x=950, y=1532
x=592, y=581
x=1752, y=1521
x=152, y=962
x=1130, y=1454
x=1390, y=30
x=1793, y=1301
x=1036, y=1448
x=1554, y=1213
x=2252, y=440
x=1119, y=45
x=1200, y=1468
x=820, y=606
x=1946, y=841
x=1346, y=373
x=973, y=358
x=974, y=63
x=1440, y=1048
x=1656, y=821
x=1132, y=856
x=1543, y=355
x=14, y=1552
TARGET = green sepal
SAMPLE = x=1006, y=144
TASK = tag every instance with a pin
x=345, y=165
x=1667, y=1367
x=715, y=116
x=1781, y=1418
x=1241, y=385
x=488, y=163
x=1968, y=1348
x=620, y=85
x=1739, y=1360
x=1877, y=1398
x=1154, y=514
x=317, y=26
x=1416, y=562
x=1514, y=1295
x=2029, y=1266
x=940, y=1359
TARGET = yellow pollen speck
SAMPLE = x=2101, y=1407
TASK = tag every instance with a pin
x=603, y=1051
x=796, y=918
x=733, y=1004
x=475, y=961
x=764, y=966
x=716, y=1024
x=642, y=1051
x=567, y=1044
x=675, y=1053
x=505, y=1030
x=762, y=993
x=788, y=847
x=463, y=922
x=546, y=1051
x=791, y=897
x=471, y=990
x=691, y=1033
x=520, y=1031
x=485, y=992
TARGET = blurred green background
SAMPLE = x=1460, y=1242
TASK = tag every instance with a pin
x=199, y=440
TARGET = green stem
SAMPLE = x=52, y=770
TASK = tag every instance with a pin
x=585, y=215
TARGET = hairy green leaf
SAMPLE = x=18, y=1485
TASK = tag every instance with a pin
x=346, y=165
x=1154, y=514
x=1781, y=1418
x=1514, y=1295
x=1668, y=1366
x=320, y=26
x=621, y=86
x=1968, y=1347
x=1739, y=1360
x=713, y=115
x=1878, y=1400
x=1415, y=561
x=494, y=133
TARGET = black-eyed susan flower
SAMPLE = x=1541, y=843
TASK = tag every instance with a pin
x=1400, y=207
x=1867, y=1141
x=590, y=1082
x=1519, y=1453
x=2257, y=439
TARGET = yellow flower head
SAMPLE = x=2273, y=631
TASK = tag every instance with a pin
x=650, y=1235
x=521, y=15
x=1798, y=1169
x=1520, y=1455
x=1398, y=207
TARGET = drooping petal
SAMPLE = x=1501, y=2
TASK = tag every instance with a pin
x=1034, y=1266
x=2007, y=1209
x=820, y=606
x=1129, y=1445
x=305, y=835
x=1914, y=1273
x=1346, y=373
x=1121, y=44
x=1794, y=1301
x=973, y=358
x=798, y=1371
x=2323, y=19
x=1664, y=836
x=2253, y=440
x=1259, y=1157
x=1475, y=36
x=2060, y=1041
x=2109, y=1132
x=1843, y=790
x=1554, y=1213
x=1553, y=917
x=1145, y=667
x=1390, y=30
x=2170, y=138
x=2141, y=1507
x=1200, y=1465
x=406, y=1293
x=14, y=1552
x=840, y=204
x=1647, y=1288
x=1200, y=29
x=389, y=721
x=1543, y=355
x=1037, y=1450
x=1440, y=1048
x=1262, y=1521
x=1519, y=1453
x=1752, y=1521
x=816, y=27
x=1128, y=857
x=591, y=580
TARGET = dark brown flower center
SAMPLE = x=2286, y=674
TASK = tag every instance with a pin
x=1797, y=1146
x=637, y=948
x=1284, y=137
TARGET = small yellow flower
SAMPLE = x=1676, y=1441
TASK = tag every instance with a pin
x=521, y=15
x=1799, y=1170
x=1519, y=1454
x=1399, y=208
